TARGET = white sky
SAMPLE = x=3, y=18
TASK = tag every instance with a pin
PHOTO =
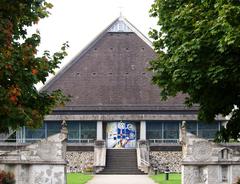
x=80, y=21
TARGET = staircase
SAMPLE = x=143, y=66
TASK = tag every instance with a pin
x=121, y=161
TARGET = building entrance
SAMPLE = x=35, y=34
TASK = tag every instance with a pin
x=121, y=135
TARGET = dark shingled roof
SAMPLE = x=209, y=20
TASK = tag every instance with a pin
x=111, y=75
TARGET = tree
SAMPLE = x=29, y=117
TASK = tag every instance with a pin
x=198, y=48
x=21, y=69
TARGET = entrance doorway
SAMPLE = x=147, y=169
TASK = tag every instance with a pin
x=121, y=135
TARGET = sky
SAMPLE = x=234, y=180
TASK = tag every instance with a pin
x=80, y=21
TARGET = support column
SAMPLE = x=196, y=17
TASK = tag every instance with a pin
x=143, y=130
x=99, y=130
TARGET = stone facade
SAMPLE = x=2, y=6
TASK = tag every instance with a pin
x=80, y=161
x=161, y=159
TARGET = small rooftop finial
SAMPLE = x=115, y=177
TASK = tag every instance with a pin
x=120, y=12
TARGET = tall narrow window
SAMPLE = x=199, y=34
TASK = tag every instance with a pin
x=154, y=129
x=73, y=131
x=171, y=129
x=192, y=127
x=88, y=129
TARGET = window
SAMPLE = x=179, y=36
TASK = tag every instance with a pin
x=53, y=127
x=81, y=130
x=76, y=130
x=73, y=131
x=35, y=134
x=192, y=127
x=207, y=130
x=88, y=130
x=47, y=129
x=163, y=129
x=171, y=130
x=154, y=129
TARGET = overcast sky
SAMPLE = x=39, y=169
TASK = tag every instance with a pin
x=80, y=21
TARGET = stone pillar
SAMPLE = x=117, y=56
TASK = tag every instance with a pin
x=143, y=130
x=99, y=130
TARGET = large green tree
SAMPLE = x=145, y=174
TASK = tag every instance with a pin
x=20, y=67
x=198, y=47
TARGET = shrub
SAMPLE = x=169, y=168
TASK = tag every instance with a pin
x=7, y=177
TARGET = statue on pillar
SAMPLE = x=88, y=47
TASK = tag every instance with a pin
x=183, y=138
x=64, y=127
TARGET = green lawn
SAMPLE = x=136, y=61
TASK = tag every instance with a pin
x=173, y=179
x=78, y=178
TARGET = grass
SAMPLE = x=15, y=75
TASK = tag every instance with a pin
x=78, y=178
x=173, y=179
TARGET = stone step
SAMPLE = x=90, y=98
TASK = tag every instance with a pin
x=131, y=160
x=121, y=169
x=121, y=158
x=123, y=172
x=121, y=155
x=121, y=161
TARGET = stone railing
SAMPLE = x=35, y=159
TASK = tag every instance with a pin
x=156, y=142
x=99, y=155
x=143, y=156
x=87, y=142
x=28, y=141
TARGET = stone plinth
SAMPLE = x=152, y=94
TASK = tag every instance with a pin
x=39, y=163
x=205, y=162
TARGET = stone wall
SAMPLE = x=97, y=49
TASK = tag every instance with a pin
x=161, y=159
x=83, y=161
x=80, y=161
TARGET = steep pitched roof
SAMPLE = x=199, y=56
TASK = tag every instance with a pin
x=110, y=74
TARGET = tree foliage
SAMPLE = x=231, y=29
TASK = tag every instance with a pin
x=20, y=67
x=198, y=48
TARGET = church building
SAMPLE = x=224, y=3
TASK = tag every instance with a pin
x=113, y=99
